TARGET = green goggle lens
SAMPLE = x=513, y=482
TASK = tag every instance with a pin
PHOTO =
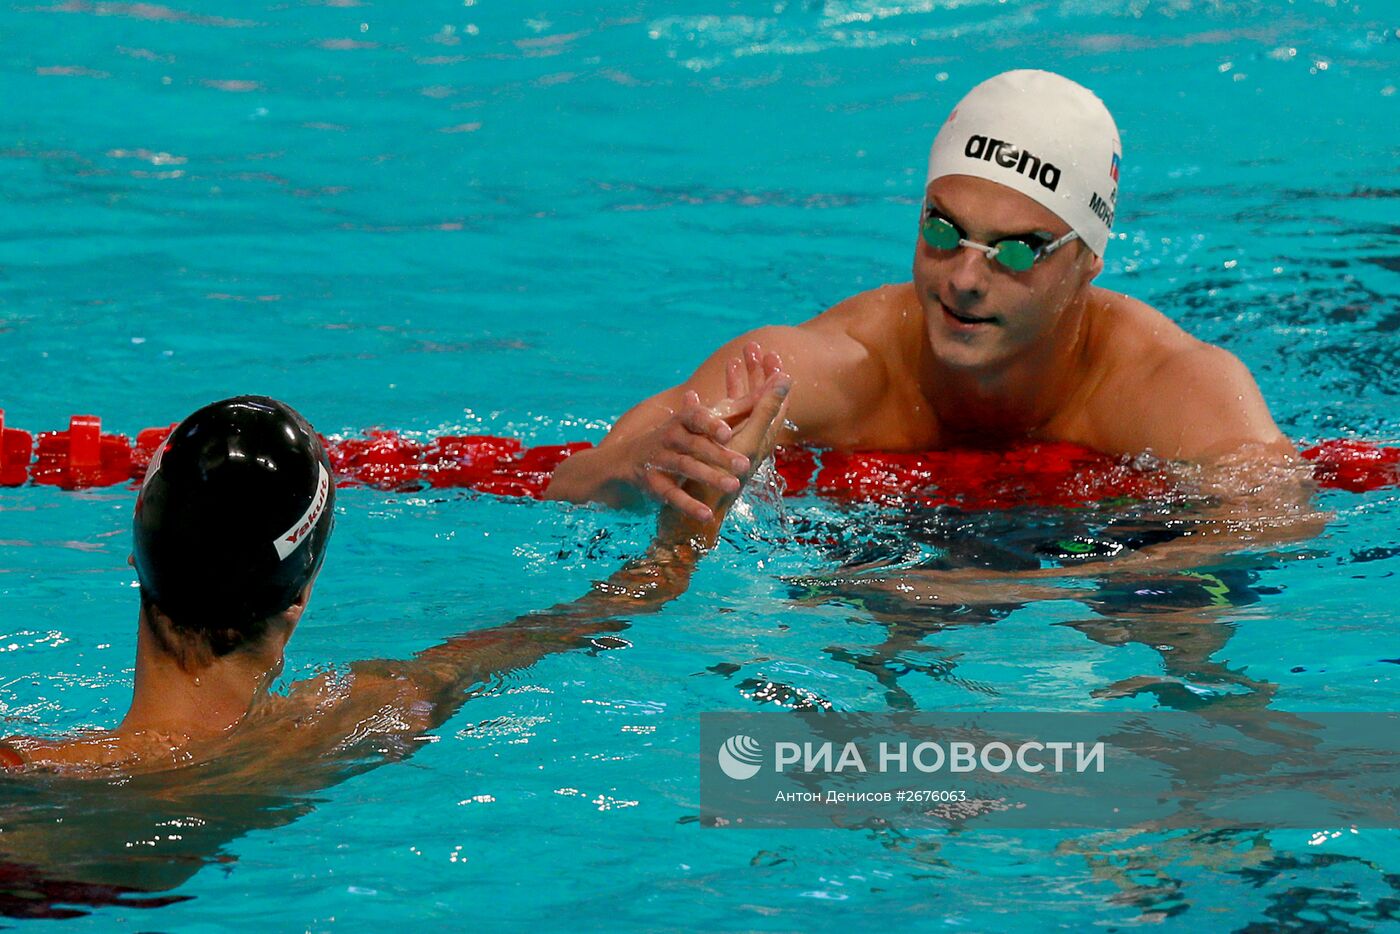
x=940, y=234
x=1016, y=255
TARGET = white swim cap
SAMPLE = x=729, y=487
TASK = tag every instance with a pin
x=1044, y=136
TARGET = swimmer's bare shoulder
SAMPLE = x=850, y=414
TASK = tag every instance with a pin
x=1154, y=387
x=86, y=754
x=315, y=715
x=322, y=719
x=416, y=693
x=334, y=701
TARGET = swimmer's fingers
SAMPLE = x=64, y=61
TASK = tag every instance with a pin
x=722, y=477
x=760, y=369
x=732, y=411
x=702, y=420
x=667, y=491
x=772, y=363
x=701, y=434
x=696, y=496
x=753, y=364
x=735, y=379
x=742, y=383
x=758, y=434
x=704, y=433
x=738, y=390
x=753, y=370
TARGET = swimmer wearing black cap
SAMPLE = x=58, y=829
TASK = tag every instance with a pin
x=231, y=528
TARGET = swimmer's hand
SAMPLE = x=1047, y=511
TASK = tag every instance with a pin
x=757, y=401
x=693, y=456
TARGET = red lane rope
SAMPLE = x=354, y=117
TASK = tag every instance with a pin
x=1055, y=474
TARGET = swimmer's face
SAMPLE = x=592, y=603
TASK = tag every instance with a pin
x=977, y=312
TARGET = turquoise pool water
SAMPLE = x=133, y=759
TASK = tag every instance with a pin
x=518, y=219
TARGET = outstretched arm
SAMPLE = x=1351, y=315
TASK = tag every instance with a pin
x=642, y=586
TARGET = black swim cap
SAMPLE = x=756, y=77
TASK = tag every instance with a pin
x=233, y=518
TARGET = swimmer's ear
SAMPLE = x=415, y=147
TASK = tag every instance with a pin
x=1095, y=266
x=285, y=623
x=304, y=597
x=298, y=606
x=131, y=559
x=293, y=613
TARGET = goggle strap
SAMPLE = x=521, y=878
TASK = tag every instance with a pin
x=1056, y=244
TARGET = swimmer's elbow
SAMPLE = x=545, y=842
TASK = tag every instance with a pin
x=566, y=483
x=592, y=476
x=576, y=480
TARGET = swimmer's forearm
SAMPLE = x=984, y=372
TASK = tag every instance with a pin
x=979, y=586
x=597, y=475
x=1210, y=535
x=642, y=586
x=1260, y=497
x=1220, y=533
x=1257, y=497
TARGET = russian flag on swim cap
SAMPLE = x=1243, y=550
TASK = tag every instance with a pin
x=1043, y=135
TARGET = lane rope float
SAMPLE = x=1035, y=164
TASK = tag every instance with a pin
x=83, y=456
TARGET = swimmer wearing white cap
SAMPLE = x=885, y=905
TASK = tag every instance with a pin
x=1001, y=336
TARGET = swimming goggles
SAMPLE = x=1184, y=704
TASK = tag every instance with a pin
x=1018, y=253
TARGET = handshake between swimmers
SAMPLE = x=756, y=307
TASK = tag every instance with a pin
x=231, y=527
x=1000, y=337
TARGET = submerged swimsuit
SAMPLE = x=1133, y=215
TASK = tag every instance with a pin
x=10, y=758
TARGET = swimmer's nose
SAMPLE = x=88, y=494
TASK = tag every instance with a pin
x=967, y=276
